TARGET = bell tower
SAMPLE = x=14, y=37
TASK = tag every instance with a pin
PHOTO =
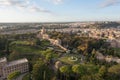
x=43, y=31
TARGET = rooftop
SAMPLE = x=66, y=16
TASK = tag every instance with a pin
x=4, y=59
x=20, y=61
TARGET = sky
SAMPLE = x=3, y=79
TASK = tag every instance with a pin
x=59, y=10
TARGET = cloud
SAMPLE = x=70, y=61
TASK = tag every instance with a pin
x=23, y=4
x=108, y=3
x=35, y=8
x=57, y=1
x=13, y=2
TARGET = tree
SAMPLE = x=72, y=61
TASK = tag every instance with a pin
x=14, y=56
x=48, y=54
x=114, y=72
x=37, y=41
x=41, y=71
x=66, y=70
x=83, y=48
x=102, y=70
x=91, y=77
x=38, y=70
x=49, y=57
x=13, y=75
x=79, y=70
x=115, y=69
x=86, y=77
x=92, y=58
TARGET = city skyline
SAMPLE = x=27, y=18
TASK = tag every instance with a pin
x=59, y=10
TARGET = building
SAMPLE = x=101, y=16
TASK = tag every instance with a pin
x=3, y=62
x=8, y=67
x=56, y=42
x=107, y=58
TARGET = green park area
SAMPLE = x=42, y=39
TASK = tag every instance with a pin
x=25, y=49
x=50, y=62
x=68, y=59
x=22, y=42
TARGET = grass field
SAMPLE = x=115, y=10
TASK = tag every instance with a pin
x=22, y=42
x=66, y=60
x=27, y=46
x=26, y=49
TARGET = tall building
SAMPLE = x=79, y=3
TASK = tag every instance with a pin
x=43, y=34
x=8, y=67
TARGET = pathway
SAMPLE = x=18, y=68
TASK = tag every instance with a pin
x=21, y=76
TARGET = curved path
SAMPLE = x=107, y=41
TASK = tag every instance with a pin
x=21, y=76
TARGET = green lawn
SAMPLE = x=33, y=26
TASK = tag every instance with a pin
x=22, y=42
x=66, y=60
x=29, y=50
x=26, y=49
x=28, y=46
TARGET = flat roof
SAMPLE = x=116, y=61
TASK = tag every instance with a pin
x=20, y=61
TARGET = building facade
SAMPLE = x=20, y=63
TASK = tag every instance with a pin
x=3, y=62
x=6, y=68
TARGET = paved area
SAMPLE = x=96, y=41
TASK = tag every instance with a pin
x=21, y=76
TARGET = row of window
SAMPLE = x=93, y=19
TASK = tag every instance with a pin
x=9, y=70
x=21, y=70
x=14, y=67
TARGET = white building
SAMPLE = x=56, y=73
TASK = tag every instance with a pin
x=8, y=67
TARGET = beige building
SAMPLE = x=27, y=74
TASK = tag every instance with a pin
x=7, y=67
x=44, y=35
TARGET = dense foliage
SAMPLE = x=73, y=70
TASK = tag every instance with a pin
x=13, y=75
x=43, y=56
